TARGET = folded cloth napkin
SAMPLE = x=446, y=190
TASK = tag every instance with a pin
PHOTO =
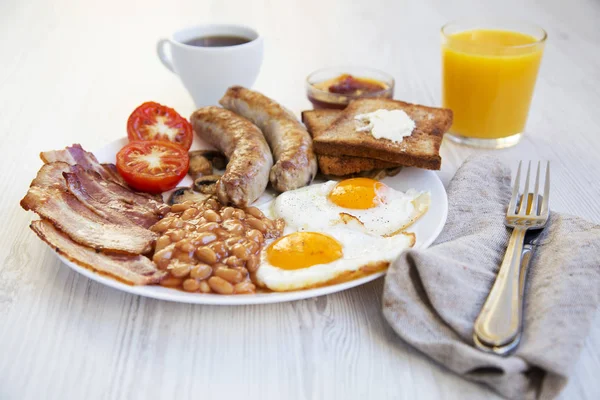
x=433, y=296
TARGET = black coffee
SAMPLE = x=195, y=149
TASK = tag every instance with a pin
x=217, y=41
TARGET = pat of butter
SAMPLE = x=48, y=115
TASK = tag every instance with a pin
x=394, y=125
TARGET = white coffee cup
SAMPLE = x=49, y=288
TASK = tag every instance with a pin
x=207, y=72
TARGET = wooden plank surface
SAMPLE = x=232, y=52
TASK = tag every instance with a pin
x=72, y=71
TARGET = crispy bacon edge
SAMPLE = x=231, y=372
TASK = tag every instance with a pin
x=133, y=270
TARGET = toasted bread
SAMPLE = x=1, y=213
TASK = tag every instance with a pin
x=317, y=121
x=421, y=149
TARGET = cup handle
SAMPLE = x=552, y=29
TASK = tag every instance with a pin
x=162, y=55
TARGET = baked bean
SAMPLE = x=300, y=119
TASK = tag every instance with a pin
x=204, y=287
x=185, y=245
x=201, y=271
x=162, y=242
x=268, y=223
x=244, y=288
x=209, y=226
x=191, y=285
x=200, y=221
x=163, y=257
x=204, y=238
x=230, y=275
x=252, y=247
x=236, y=228
x=221, y=233
x=220, y=285
x=189, y=214
x=258, y=224
x=252, y=263
x=187, y=258
x=206, y=255
x=233, y=240
x=220, y=249
x=176, y=208
x=171, y=281
x=219, y=264
x=180, y=270
x=242, y=270
x=211, y=216
x=211, y=204
x=255, y=235
x=189, y=227
x=176, y=236
x=176, y=224
x=229, y=222
x=255, y=212
x=239, y=230
x=240, y=251
x=233, y=261
x=227, y=212
x=162, y=225
x=253, y=277
x=239, y=214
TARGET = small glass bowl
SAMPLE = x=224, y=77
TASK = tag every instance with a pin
x=324, y=99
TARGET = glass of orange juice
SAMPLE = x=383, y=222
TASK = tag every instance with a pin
x=489, y=71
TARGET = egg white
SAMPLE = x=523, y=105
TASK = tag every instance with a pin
x=359, y=250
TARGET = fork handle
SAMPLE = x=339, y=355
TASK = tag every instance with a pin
x=499, y=321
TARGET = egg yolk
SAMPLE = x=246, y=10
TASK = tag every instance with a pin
x=357, y=193
x=303, y=249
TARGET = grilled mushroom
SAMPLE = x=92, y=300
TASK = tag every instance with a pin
x=218, y=159
x=206, y=184
x=183, y=194
x=199, y=165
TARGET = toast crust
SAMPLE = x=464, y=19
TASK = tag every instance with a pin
x=421, y=149
x=347, y=165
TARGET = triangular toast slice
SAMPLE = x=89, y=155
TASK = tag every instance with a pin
x=421, y=149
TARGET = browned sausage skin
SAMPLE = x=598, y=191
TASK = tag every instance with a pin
x=295, y=162
x=247, y=172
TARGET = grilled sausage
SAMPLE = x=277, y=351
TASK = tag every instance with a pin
x=247, y=173
x=295, y=162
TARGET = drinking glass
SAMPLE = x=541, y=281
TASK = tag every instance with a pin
x=489, y=70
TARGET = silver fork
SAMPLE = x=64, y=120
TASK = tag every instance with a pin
x=499, y=324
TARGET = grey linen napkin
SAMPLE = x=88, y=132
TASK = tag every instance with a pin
x=433, y=296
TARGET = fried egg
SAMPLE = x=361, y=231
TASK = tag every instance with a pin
x=380, y=209
x=337, y=231
x=306, y=259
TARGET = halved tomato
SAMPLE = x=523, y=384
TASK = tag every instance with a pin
x=153, y=166
x=153, y=121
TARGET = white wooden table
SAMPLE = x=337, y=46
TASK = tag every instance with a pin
x=72, y=71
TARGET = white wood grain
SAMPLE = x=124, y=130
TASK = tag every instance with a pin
x=71, y=71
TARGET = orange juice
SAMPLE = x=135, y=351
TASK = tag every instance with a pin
x=488, y=80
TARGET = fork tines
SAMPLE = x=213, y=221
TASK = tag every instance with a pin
x=525, y=202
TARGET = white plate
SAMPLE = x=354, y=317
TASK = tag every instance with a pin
x=426, y=229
